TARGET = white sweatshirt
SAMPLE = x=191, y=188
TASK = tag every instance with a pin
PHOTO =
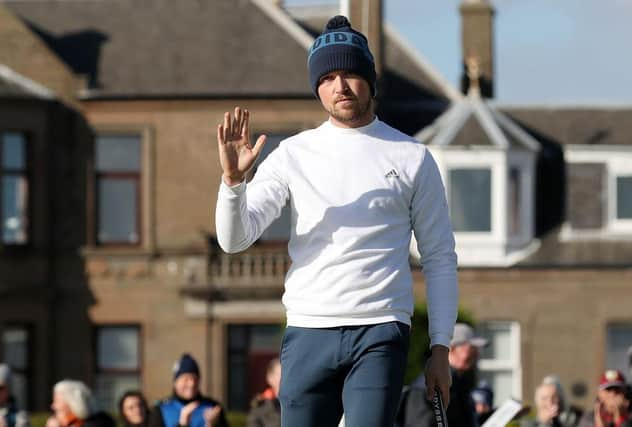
x=355, y=195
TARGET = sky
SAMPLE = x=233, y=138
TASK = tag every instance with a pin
x=546, y=52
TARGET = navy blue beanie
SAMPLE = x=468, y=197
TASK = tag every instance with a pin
x=185, y=365
x=340, y=47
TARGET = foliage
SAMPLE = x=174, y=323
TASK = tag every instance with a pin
x=237, y=419
x=420, y=341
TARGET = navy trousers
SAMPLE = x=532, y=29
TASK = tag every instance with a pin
x=355, y=369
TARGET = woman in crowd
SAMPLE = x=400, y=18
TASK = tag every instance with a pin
x=133, y=409
x=74, y=406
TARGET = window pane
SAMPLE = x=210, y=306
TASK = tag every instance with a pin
x=251, y=347
x=15, y=343
x=501, y=382
x=624, y=197
x=14, y=209
x=499, y=336
x=120, y=153
x=238, y=337
x=13, y=151
x=117, y=210
x=117, y=348
x=110, y=388
x=619, y=347
x=265, y=337
x=19, y=389
x=470, y=199
x=238, y=382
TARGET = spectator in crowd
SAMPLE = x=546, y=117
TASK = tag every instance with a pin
x=551, y=407
x=187, y=407
x=74, y=406
x=483, y=397
x=611, y=408
x=10, y=416
x=133, y=409
x=265, y=409
x=463, y=356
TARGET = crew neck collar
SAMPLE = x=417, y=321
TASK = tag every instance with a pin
x=362, y=129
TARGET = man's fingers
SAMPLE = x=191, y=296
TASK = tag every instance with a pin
x=430, y=388
x=259, y=145
x=237, y=122
x=245, y=131
x=227, y=127
x=445, y=394
x=220, y=135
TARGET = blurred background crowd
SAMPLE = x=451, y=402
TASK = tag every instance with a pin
x=471, y=400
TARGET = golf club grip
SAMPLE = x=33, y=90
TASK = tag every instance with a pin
x=438, y=408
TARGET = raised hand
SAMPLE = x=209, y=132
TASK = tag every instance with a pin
x=186, y=411
x=212, y=416
x=236, y=155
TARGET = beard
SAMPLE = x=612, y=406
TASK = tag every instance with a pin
x=350, y=113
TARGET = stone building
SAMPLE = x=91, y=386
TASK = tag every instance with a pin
x=108, y=264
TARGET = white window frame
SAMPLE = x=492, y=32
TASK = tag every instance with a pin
x=618, y=162
x=513, y=365
x=496, y=247
x=492, y=159
x=525, y=163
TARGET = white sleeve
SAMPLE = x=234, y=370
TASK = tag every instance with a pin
x=244, y=211
x=435, y=242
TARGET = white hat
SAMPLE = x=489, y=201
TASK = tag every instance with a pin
x=464, y=334
x=5, y=374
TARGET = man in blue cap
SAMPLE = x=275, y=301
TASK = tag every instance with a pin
x=187, y=407
x=358, y=188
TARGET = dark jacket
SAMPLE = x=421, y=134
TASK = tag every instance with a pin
x=588, y=420
x=100, y=419
x=171, y=407
x=12, y=416
x=460, y=412
x=568, y=418
x=264, y=413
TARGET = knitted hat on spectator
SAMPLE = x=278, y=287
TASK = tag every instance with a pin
x=340, y=47
x=185, y=365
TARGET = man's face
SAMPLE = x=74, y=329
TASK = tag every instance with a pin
x=347, y=98
x=187, y=386
x=463, y=357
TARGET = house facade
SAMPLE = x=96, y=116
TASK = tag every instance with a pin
x=109, y=269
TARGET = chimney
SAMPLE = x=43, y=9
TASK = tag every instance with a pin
x=366, y=17
x=477, y=41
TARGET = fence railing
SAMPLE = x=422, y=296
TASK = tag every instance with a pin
x=257, y=266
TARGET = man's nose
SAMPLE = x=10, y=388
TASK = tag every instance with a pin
x=340, y=84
